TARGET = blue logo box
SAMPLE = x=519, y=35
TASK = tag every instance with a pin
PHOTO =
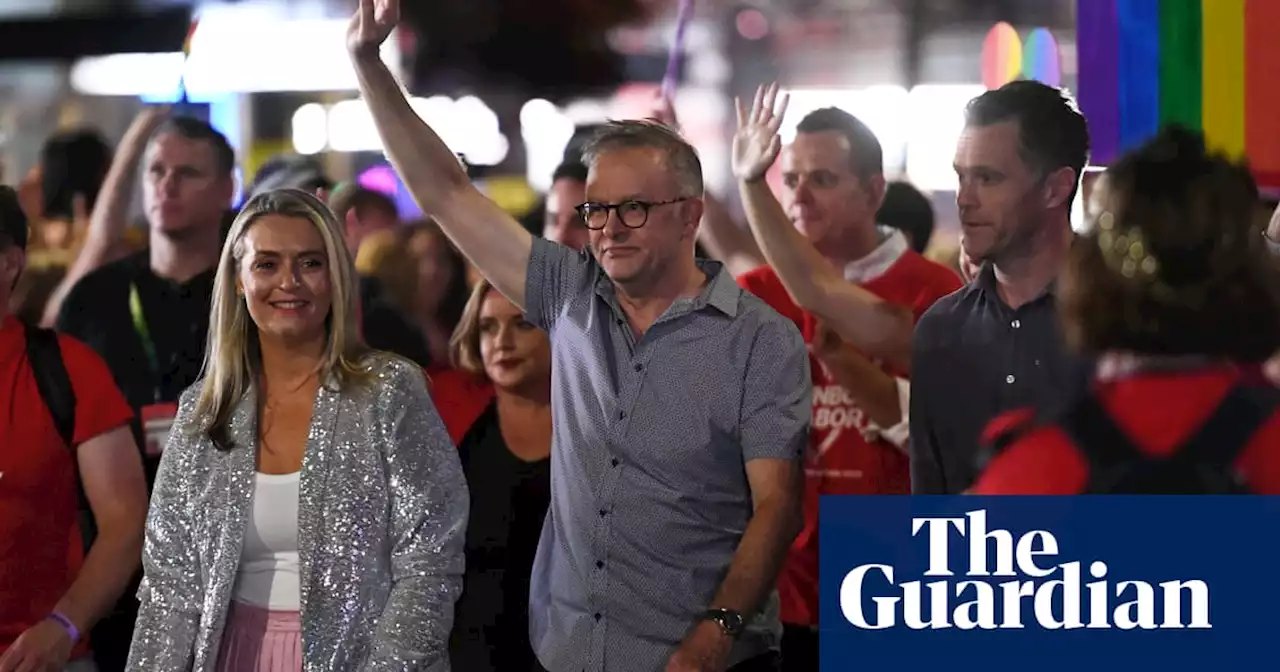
x=1049, y=583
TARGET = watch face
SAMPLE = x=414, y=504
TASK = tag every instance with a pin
x=731, y=621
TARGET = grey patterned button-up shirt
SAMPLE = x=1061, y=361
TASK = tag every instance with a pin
x=649, y=490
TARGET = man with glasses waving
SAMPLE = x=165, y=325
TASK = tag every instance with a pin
x=681, y=402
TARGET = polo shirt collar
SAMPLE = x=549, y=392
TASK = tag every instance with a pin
x=891, y=248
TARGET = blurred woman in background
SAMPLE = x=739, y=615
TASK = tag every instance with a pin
x=442, y=288
x=497, y=406
x=1174, y=289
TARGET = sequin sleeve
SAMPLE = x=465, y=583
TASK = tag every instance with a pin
x=169, y=616
x=429, y=501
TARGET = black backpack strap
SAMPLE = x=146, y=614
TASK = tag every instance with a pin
x=45, y=356
x=1096, y=435
x=1231, y=426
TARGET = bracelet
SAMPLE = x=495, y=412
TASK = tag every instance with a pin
x=72, y=631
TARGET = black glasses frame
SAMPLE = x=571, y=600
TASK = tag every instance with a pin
x=587, y=209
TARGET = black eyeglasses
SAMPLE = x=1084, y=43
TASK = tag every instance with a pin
x=632, y=214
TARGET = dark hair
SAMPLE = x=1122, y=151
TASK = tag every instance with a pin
x=288, y=171
x=681, y=158
x=457, y=289
x=363, y=200
x=1174, y=264
x=866, y=158
x=224, y=157
x=1052, y=133
x=13, y=221
x=907, y=209
x=570, y=170
x=73, y=162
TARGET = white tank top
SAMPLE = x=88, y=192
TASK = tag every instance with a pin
x=268, y=574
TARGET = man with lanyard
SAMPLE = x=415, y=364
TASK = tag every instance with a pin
x=147, y=315
x=63, y=424
x=682, y=402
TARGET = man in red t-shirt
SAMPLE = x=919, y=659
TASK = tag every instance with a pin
x=829, y=259
x=50, y=592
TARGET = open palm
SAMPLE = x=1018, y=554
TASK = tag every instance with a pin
x=372, y=24
x=756, y=144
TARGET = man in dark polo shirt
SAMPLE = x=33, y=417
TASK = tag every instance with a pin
x=995, y=345
x=147, y=315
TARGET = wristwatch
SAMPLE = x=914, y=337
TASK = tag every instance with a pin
x=730, y=621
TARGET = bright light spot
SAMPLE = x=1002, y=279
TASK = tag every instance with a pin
x=310, y=129
x=546, y=131
x=935, y=113
x=351, y=128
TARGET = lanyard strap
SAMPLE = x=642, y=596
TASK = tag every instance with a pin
x=144, y=335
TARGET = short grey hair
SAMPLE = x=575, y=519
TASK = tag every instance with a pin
x=681, y=158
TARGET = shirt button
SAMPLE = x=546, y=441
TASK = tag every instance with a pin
x=1016, y=324
x=604, y=512
x=599, y=564
x=599, y=616
x=614, y=462
x=1009, y=379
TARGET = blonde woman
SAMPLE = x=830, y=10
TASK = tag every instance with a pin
x=310, y=508
x=496, y=404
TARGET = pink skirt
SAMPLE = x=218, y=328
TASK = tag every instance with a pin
x=258, y=640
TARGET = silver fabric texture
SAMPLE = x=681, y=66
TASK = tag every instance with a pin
x=383, y=508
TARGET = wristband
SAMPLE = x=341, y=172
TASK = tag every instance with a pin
x=67, y=625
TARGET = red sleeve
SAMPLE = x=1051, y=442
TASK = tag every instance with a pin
x=100, y=406
x=1043, y=462
x=749, y=281
x=1005, y=424
x=1260, y=463
x=460, y=398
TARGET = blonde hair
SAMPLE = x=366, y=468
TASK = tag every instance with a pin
x=385, y=255
x=231, y=358
x=464, y=345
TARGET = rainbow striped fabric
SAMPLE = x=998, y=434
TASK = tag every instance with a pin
x=1206, y=64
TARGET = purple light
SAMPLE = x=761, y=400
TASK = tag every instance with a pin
x=383, y=178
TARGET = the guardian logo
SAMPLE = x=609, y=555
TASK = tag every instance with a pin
x=1035, y=586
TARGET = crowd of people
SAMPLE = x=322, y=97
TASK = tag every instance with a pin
x=304, y=434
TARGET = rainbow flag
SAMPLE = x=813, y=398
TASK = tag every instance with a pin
x=1206, y=64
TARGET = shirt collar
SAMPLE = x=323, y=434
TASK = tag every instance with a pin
x=891, y=248
x=986, y=282
x=720, y=292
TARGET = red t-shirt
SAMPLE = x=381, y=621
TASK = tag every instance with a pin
x=40, y=543
x=1156, y=412
x=840, y=460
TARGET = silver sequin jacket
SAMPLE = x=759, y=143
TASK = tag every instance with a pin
x=382, y=513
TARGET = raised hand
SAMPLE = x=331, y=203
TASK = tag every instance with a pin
x=372, y=24
x=756, y=144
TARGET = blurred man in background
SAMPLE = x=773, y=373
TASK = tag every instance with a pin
x=147, y=315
